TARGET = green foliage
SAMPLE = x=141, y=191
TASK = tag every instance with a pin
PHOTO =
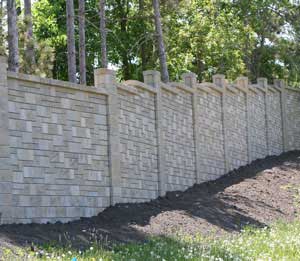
x=258, y=38
x=2, y=31
x=208, y=39
x=280, y=242
x=50, y=30
x=254, y=38
x=44, y=53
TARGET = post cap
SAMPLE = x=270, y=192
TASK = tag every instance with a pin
x=189, y=78
x=3, y=59
x=219, y=80
x=279, y=83
x=104, y=71
x=152, y=77
x=242, y=81
x=104, y=77
x=262, y=82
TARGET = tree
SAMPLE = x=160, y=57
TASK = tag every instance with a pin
x=160, y=42
x=71, y=41
x=103, y=34
x=205, y=37
x=29, y=48
x=13, y=57
x=143, y=46
x=2, y=33
x=123, y=9
x=82, y=49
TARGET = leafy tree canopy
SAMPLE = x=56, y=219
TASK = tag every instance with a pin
x=258, y=38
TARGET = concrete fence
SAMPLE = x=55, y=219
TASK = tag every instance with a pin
x=69, y=151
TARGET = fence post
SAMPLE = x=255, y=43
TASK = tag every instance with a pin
x=220, y=81
x=190, y=79
x=263, y=83
x=106, y=78
x=5, y=169
x=281, y=85
x=152, y=78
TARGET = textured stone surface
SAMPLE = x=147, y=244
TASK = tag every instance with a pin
x=5, y=170
x=69, y=151
x=236, y=132
x=138, y=146
x=293, y=119
x=179, y=147
x=275, y=134
x=257, y=125
x=58, y=150
x=212, y=158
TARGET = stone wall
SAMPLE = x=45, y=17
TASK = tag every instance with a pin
x=178, y=134
x=257, y=124
x=236, y=127
x=292, y=120
x=275, y=141
x=138, y=146
x=58, y=151
x=69, y=151
x=211, y=133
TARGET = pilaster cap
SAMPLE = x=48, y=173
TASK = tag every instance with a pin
x=262, y=82
x=104, y=77
x=189, y=78
x=152, y=77
x=104, y=71
x=219, y=80
x=279, y=83
x=3, y=60
x=242, y=81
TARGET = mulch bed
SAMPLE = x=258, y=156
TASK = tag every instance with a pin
x=258, y=194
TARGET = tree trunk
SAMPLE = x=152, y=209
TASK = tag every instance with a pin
x=29, y=51
x=160, y=42
x=2, y=47
x=124, y=10
x=143, y=45
x=82, y=52
x=13, y=39
x=71, y=42
x=103, y=34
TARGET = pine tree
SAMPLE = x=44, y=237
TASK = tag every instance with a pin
x=29, y=40
x=103, y=34
x=2, y=32
x=13, y=39
x=160, y=42
x=71, y=42
x=82, y=48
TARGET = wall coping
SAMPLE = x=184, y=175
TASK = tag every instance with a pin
x=293, y=89
x=183, y=87
x=127, y=88
x=169, y=88
x=140, y=85
x=56, y=83
x=208, y=87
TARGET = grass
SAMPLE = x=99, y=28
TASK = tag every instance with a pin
x=279, y=242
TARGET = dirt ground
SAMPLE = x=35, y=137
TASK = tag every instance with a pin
x=260, y=193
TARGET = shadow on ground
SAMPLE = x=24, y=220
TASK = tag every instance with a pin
x=256, y=194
